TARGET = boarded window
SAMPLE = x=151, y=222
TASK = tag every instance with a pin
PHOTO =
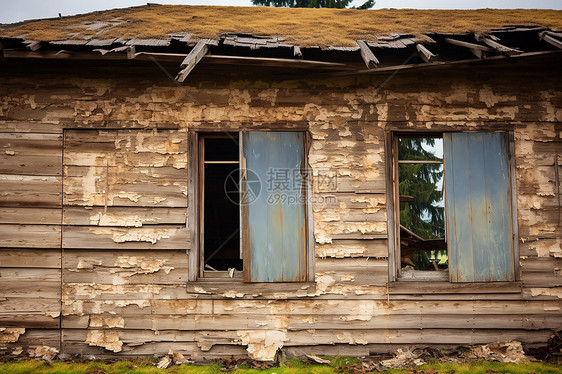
x=478, y=204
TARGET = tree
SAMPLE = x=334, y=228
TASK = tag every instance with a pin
x=313, y=3
x=423, y=215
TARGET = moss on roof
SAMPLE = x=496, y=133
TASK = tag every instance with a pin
x=303, y=26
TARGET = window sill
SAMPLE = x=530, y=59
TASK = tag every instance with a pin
x=237, y=288
x=411, y=287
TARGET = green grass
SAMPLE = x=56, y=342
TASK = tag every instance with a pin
x=293, y=366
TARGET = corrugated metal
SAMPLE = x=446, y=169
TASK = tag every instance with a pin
x=478, y=207
x=275, y=219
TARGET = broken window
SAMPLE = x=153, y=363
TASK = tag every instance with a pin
x=454, y=220
x=252, y=206
x=220, y=217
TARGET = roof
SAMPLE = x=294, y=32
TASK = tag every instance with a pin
x=297, y=26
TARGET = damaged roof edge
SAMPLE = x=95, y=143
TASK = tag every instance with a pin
x=397, y=52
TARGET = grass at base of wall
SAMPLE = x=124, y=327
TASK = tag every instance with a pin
x=338, y=365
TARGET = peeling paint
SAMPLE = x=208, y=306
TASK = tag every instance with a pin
x=10, y=334
x=106, y=339
x=262, y=344
x=108, y=322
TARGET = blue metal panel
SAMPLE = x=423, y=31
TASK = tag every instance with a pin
x=275, y=219
x=478, y=209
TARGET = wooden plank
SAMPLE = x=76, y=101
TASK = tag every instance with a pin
x=416, y=288
x=415, y=336
x=547, y=37
x=367, y=55
x=30, y=191
x=352, y=307
x=30, y=126
x=31, y=154
x=375, y=248
x=30, y=236
x=325, y=322
x=122, y=216
x=125, y=267
x=45, y=216
x=476, y=49
x=38, y=321
x=30, y=258
x=192, y=59
x=501, y=48
x=125, y=186
x=32, y=289
x=425, y=53
x=30, y=306
x=33, y=338
x=147, y=237
x=133, y=148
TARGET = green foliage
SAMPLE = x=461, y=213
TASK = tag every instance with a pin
x=290, y=367
x=313, y=3
x=422, y=216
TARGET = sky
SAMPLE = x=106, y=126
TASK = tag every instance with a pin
x=19, y=10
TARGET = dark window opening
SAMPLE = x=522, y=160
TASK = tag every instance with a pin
x=221, y=213
x=422, y=208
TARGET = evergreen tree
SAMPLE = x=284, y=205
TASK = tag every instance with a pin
x=422, y=215
x=313, y=3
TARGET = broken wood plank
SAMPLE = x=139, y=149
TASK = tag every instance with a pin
x=547, y=37
x=501, y=48
x=476, y=49
x=193, y=58
x=368, y=56
x=425, y=53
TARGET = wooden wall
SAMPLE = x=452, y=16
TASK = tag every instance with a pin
x=95, y=240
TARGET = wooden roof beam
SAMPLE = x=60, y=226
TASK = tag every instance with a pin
x=476, y=49
x=500, y=47
x=547, y=37
x=425, y=53
x=193, y=58
x=368, y=56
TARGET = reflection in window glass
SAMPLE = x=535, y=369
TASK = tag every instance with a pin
x=422, y=213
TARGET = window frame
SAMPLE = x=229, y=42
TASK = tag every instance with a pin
x=393, y=204
x=195, y=208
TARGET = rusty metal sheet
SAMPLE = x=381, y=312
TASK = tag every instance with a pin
x=275, y=220
x=478, y=207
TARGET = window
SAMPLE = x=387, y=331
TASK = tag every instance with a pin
x=252, y=206
x=452, y=198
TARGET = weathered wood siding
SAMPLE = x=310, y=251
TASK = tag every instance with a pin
x=95, y=239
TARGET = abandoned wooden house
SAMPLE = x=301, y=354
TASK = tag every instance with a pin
x=237, y=181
